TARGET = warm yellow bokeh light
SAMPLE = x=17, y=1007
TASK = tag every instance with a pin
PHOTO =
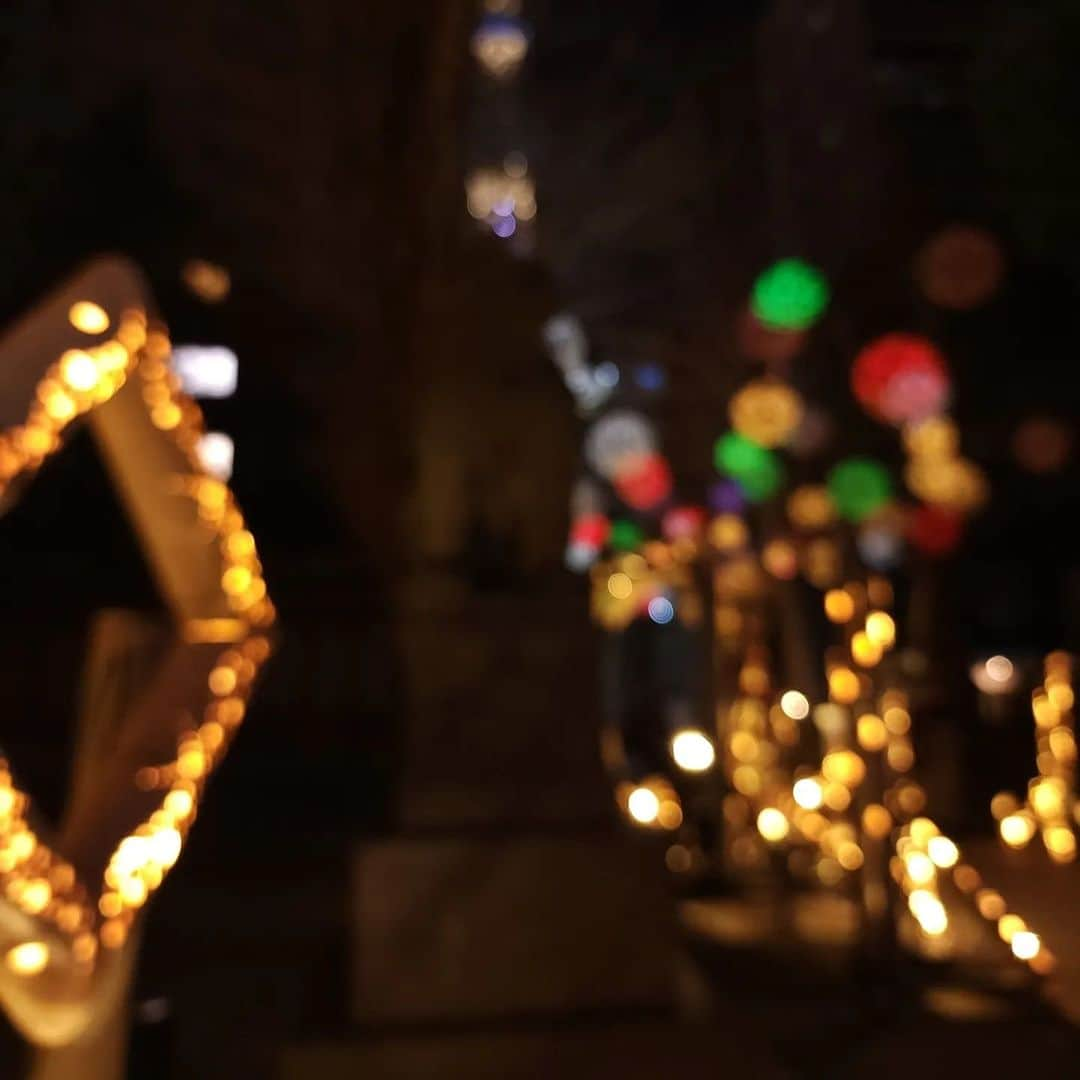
x=619, y=585
x=1025, y=945
x=772, y=824
x=1016, y=830
x=1009, y=926
x=808, y=793
x=942, y=851
x=844, y=685
x=935, y=437
x=692, y=750
x=929, y=911
x=990, y=903
x=29, y=958
x=864, y=651
x=1060, y=843
x=811, y=507
x=766, y=411
x=88, y=317
x=844, y=767
x=643, y=805
x=728, y=532
x=881, y=629
x=78, y=370
x=839, y=606
x=877, y=821
x=871, y=733
x=794, y=704
x=919, y=867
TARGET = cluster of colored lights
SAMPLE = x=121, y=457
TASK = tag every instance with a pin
x=1050, y=808
x=774, y=802
x=36, y=879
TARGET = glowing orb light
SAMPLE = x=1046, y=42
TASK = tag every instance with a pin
x=780, y=559
x=960, y=267
x=625, y=535
x=757, y=468
x=650, y=377
x=692, y=750
x=934, y=437
x=643, y=805
x=790, y=295
x=661, y=610
x=216, y=452
x=767, y=411
x=811, y=507
x=934, y=530
x=880, y=547
x=590, y=529
x=607, y=375
x=858, y=487
x=207, y=371
x=996, y=675
x=88, y=317
x=900, y=378
x=955, y=483
x=727, y=497
x=772, y=824
x=644, y=481
x=208, y=281
x=29, y=958
x=616, y=437
x=579, y=557
x=500, y=43
x=683, y=521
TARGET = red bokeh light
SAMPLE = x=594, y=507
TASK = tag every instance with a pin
x=935, y=531
x=900, y=378
x=683, y=521
x=590, y=530
x=644, y=481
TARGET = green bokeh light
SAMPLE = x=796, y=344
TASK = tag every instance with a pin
x=859, y=486
x=757, y=469
x=626, y=536
x=790, y=295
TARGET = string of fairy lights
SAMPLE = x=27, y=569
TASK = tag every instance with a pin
x=77, y=919
x=827, y=785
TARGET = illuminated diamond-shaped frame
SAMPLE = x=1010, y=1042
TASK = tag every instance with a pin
x=68, y=911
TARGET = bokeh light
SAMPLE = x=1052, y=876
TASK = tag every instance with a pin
x=692, y=750
x=900, y=378
x=858, y=486
x=757, y=469
x=766, y=411
x=790, y=295
x=960, y=267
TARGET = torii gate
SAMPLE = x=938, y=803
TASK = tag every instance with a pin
x=69, y=907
